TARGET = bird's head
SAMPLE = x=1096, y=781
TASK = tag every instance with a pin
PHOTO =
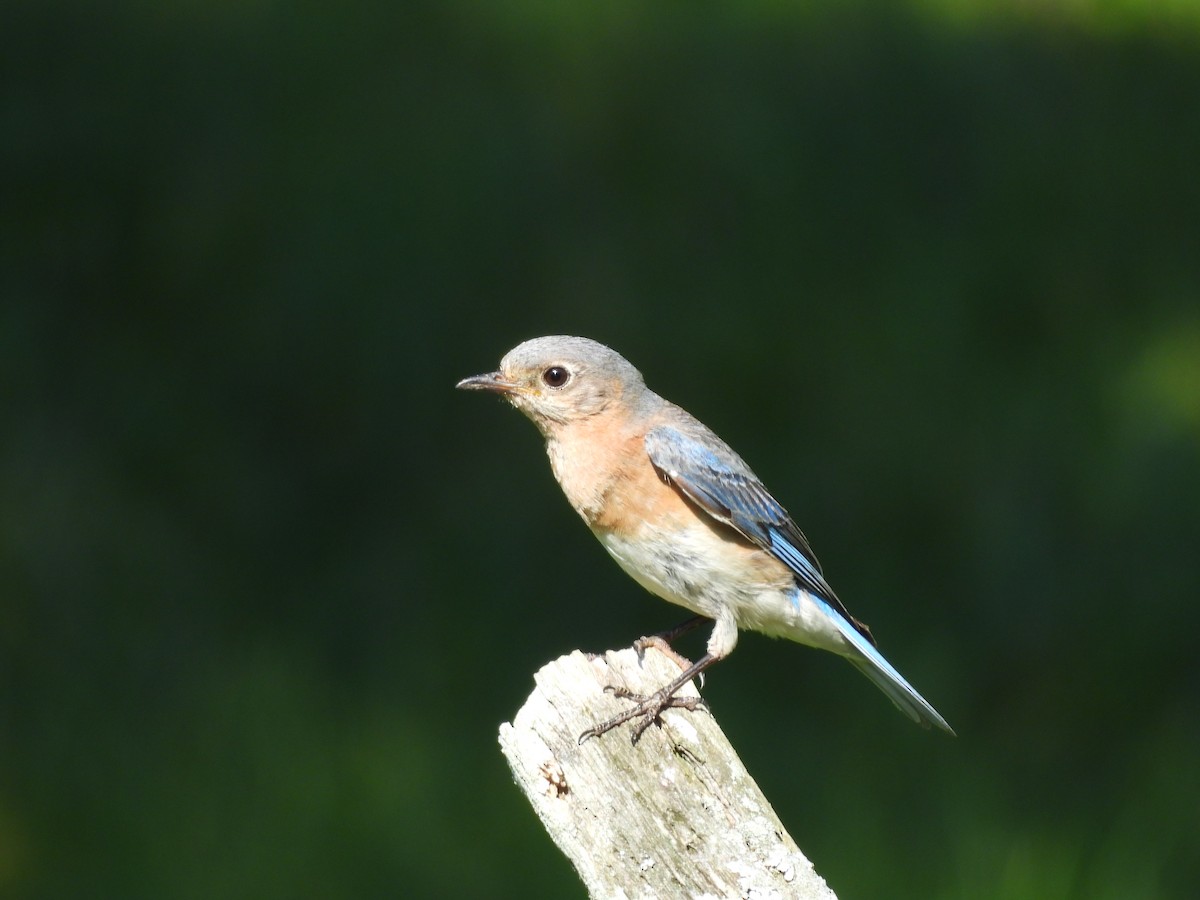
x=558, y=380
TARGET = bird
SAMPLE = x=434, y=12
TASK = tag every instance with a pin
x=683, y=515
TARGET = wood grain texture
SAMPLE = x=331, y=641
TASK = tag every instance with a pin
x=676, y=815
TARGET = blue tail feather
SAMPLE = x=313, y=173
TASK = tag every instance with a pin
x=871, y=663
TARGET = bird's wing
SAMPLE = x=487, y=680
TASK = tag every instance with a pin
x=715, y=479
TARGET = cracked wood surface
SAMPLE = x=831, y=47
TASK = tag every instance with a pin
x=676, y=815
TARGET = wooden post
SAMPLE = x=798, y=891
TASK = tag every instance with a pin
x=676, y=815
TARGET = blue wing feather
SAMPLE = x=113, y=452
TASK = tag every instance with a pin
x=716, y=479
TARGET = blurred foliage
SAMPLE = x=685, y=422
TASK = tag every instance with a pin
x=268, y=585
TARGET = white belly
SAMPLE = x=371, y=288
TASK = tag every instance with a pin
x=690, y=572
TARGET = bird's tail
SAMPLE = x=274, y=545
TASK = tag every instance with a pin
x=871, y=663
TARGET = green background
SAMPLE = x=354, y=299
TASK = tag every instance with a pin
x=268, y=584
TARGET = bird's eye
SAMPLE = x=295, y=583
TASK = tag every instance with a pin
x=556, y=376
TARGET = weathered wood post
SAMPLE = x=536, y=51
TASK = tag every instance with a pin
x=677, y=815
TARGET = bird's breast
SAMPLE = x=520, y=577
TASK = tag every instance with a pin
x=604, y=472
x=668, y=545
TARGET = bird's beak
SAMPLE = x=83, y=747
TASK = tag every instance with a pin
x=492, y=381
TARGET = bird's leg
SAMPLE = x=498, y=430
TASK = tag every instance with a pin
x=662, y=642
x=682, y=628
x=650, y=707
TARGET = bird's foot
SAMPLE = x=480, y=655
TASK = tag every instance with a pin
x=648, y=707
x=659, y=643
x=662, y=643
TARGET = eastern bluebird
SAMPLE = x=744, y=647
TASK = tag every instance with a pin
x=682, y=514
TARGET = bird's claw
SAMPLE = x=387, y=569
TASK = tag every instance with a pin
x=660, y=643
x=648, y=708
